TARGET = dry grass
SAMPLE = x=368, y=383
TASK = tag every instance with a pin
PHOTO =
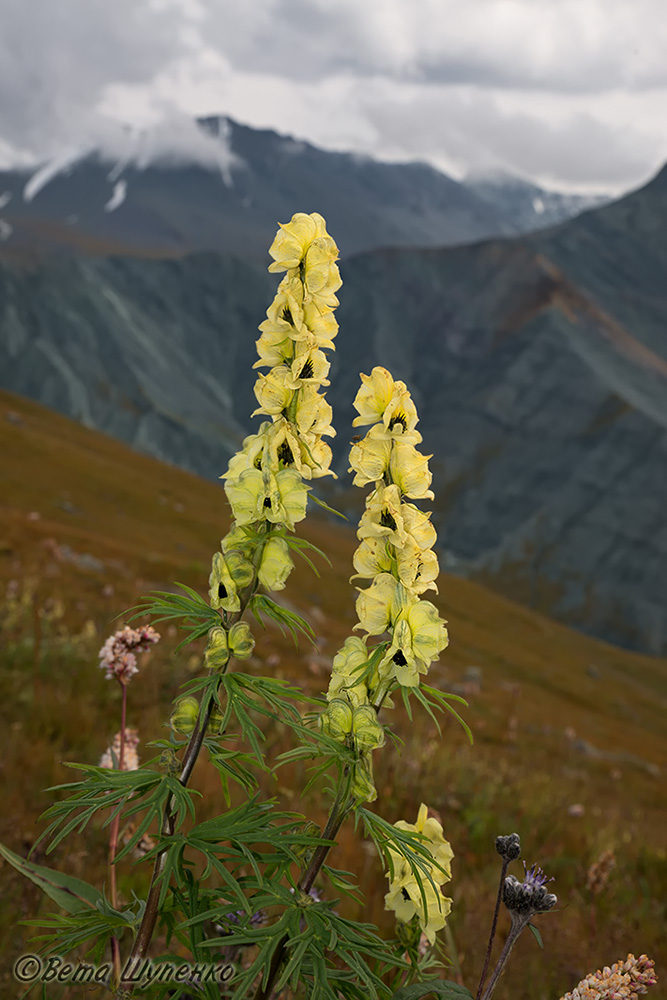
x=569, y=732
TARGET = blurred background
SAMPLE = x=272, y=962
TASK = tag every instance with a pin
x=494, y=175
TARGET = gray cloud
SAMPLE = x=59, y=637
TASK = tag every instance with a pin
x=566, y=91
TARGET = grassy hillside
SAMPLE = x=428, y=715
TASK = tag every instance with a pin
x=570, y=744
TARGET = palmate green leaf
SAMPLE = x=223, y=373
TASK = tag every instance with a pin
x=445, y=989
x=287, y=621
x=72, y=894
x=300, y=545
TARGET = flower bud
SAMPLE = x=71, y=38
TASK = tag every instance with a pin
x=215, y=721
x=337, y=720
x=363, y=788
x=184, y=717
x=240, y=568
x=241, y=641
x=368, y=733
x=509, y=848
x=217, y=650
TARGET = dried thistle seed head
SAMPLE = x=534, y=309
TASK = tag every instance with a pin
x=509, y=848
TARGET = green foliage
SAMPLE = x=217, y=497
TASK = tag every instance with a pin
x=438, y=988
x=189, y=609
x=287, y=621
x=72, y=894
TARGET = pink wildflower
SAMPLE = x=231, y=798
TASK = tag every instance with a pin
x=118, y=654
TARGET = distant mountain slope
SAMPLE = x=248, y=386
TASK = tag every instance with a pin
x=539, y=365
x=527, y=206
x=163, y=209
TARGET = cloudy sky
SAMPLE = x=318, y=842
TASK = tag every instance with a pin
x=570, y=93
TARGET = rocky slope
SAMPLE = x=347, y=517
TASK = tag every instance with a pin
x=539, y=365
x=168, y=207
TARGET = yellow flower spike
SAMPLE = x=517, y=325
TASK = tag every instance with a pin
x=313, y=413
x=309, y=368
x=440, y=848
x=293, y=239
x=373, y=556
x=276, y=564
x=381, y=603
x=384, y=516
x=368, y=733
x=373, y=398
x=273, y=392
x=222, y=589
x=241, y=641
x=370, y=460
x=216, y=654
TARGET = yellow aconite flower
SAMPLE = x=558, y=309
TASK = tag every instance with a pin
x=321, y=274
x=216, y=654
x=418, y=525
x=373, y=556
x=222, y=588
x=293, y=239
x=399, y=418
x=321, y=323
x=276, y=564
x=250, y=456
x=418, y=568
x=405, y=898
x=286, y=311
x=274, y=348
x=241, y=641
x=419, y=637
x=441, y=849
x=379, y=605
x=370, y=460
x=373, y=398
x=409, y=469
x=279, y=498
x=313, y=413
x=384, y=516
x=309, y=368
x=273, y=392
x=316, y=457
x=347, y=672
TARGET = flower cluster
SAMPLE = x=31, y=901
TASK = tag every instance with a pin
x=118, y=655
x=623, y=981
x=111, y=756
x=406, y=897
x=265, y=481
x=396, y=553
x=525, y=899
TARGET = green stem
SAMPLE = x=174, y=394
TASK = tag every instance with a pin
x=515, y=930
x=149, y=919
x=337, y=815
